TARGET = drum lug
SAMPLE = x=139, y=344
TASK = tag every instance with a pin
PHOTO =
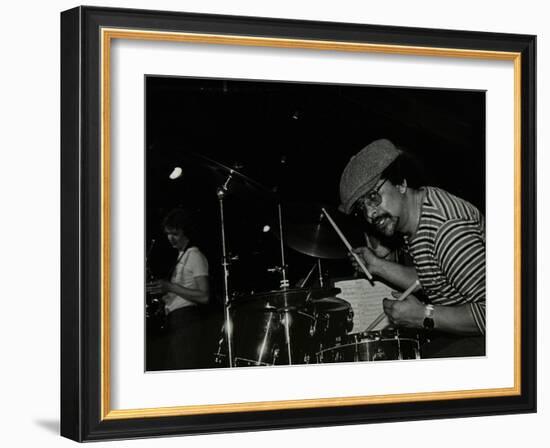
x=275, y=354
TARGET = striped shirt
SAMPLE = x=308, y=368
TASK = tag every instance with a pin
x=448, y=252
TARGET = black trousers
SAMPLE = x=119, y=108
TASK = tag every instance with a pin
x=183, y=339
x=189, y=340
x=177, y=345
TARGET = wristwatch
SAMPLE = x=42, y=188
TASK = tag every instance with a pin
x=428, y=323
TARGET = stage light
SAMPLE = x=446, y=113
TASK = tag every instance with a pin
x=266, y=228
x=176, y=172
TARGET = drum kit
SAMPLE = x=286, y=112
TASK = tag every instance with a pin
x=294, y=325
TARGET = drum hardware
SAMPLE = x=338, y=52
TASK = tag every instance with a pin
x=286, y=324
x=284, y=281
x=320, y=269
x=231, y=177
x=243, y=362
x=305, y=280
x=316, y=266
x=264, y=341
x=219, y=356
x=275, y=269
x=221, y=192
x=313, y=326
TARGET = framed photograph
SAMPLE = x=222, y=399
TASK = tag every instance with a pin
x=275, y=224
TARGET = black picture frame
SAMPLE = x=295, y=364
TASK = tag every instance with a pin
x=83, y=409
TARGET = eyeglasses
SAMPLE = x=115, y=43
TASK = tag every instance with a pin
x=370, y=199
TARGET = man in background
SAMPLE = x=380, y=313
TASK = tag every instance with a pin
x=183, y=294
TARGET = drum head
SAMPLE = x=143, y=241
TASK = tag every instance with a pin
x=331, y=304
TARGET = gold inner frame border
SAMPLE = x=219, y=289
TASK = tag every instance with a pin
x=107, y=35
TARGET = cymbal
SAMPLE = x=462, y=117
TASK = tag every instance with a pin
x=307, y=231
x=238, y=182
x=284, y=299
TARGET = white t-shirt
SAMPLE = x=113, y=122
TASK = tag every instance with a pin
x=191, y=264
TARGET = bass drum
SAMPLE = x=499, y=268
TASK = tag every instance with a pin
x=381, y=345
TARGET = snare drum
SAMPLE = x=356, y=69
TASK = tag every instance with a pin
x=381, y=345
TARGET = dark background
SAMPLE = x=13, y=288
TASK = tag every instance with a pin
x=296, y=139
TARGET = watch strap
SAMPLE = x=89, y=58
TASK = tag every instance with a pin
x=428, y=322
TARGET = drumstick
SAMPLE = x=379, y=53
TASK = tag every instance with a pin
x=405, y=294
x=348, y=245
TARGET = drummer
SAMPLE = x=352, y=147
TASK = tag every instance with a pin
x=444, y=235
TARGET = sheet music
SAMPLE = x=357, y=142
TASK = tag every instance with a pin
x=366, y=301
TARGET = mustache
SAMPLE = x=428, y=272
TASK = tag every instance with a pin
x=381, y=217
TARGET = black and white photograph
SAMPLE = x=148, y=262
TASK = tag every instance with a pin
x=292, y=223
x=275, y=222
x=267, y=224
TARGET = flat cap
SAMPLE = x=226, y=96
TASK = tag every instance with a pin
x=363, y=171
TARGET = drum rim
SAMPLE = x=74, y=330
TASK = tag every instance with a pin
x=415, y=341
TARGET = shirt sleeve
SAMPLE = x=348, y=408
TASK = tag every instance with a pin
x=197, y=263
x=460, y=251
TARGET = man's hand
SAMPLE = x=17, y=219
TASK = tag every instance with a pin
x=159, y=287
x=405, y=313
x=367, y=256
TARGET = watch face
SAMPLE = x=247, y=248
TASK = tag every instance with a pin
x=428, y=323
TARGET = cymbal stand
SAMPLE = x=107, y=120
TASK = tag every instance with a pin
x=321, y=282
x=228, y=324
x=316, y=266
x=284, y=285
x=306, y=279
x=284, y=281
